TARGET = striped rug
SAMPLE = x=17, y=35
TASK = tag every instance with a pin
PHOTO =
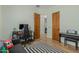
x=42, y=48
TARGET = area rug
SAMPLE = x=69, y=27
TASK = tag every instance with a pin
x=42, y=48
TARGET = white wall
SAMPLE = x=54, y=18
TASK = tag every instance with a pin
x=0, y=22
x=15, y=15
x=42, y=24
x=69, y=18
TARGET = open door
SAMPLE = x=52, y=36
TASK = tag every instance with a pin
x=55, y=25
x=37, y=25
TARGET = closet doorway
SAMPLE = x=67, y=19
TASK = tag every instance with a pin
x=43, y=26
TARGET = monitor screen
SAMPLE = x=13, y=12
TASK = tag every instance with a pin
x=21, y=26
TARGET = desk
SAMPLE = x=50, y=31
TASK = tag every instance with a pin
x=21, y=34
x=25, y=36
x=18, y=32
x=16, y=36
x=70, y=37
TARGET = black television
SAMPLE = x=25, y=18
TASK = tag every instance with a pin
x=21, y=26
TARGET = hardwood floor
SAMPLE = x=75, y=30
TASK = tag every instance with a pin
x=56, y=44
x=53, y=43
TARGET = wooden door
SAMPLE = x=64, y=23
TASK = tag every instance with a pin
x=37, y=25
x=55, y=25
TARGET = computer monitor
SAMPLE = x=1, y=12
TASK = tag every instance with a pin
x=21, y=26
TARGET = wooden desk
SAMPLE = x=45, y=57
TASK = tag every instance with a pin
x=18, y=32
x=27, y=36
x=70, y=37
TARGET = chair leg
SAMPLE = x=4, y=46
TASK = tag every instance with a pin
x=59, y=40
x=76, y=45
x=65, y=42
